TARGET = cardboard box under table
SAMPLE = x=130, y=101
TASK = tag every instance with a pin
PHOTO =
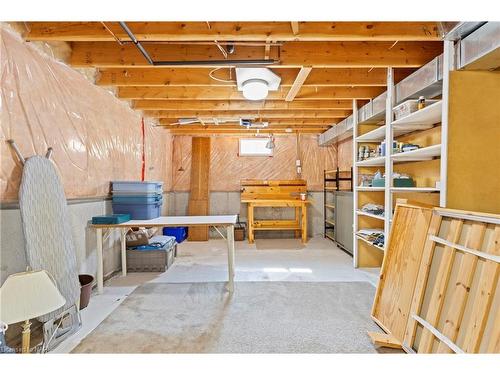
x=276, y=193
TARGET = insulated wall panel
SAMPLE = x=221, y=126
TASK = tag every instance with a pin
x=96, y=138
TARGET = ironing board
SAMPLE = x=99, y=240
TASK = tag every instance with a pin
x=46, y=226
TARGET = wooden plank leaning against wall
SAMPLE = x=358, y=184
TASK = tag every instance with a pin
x=199, y=196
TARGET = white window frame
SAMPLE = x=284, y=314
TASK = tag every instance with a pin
x=267, y=152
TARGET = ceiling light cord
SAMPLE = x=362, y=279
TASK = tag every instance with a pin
x=219, y=79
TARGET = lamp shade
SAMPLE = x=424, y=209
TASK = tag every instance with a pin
x=27, y=295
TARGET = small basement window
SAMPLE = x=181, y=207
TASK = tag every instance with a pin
x=255, y=147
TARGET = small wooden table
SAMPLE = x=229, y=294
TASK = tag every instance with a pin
x=227, y=221
x=299, y=224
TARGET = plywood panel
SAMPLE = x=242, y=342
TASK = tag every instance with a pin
x=400, y=268
x=473, y=141
x=227, y=169
x=199, y=193
x=369, y=256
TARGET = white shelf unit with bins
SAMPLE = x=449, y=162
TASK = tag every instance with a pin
x=428, y=127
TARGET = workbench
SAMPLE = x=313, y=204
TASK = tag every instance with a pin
x=299, y=224
x=226, y=221
x=276, y=193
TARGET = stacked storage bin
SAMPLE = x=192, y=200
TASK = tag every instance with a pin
x=142, y=200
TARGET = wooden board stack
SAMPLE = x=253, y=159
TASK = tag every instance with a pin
x=454, y=299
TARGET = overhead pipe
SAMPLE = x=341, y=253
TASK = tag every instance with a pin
x=136, y=42
x=193, y=62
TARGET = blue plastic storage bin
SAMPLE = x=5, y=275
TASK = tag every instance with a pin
x=137, y=199
x=137, y=186
x=180, y=233
x=139, y=211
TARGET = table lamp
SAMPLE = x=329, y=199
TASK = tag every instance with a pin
x=25, y=296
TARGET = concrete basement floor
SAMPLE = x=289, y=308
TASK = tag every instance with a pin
x=266, y=260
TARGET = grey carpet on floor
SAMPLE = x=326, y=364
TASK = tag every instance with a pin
x=261, y=317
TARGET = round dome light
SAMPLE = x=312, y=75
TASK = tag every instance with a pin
x=255, y=89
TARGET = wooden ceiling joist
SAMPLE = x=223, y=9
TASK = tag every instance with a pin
x=274, y=122
x=322, y=66
x=245, y=105
x=243, y=132
x=224, y=93
x=290, y=55
x=332, y=114
x=297, y=84
x=237, y=31
x=200, y=77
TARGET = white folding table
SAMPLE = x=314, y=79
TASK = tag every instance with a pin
x=227, y=221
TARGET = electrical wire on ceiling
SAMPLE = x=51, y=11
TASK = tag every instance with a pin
x=112, y=34
x=220, y=79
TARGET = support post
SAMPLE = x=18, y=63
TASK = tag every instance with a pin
x=123, y=241
x=250, y=223
x=389, y=105
x=354, y=181
x=304, y=222
x=230, y=257
x=448, y=66
x=100, y=272
x=297, y=220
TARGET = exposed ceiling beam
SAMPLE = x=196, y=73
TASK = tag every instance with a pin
x=245, y=105
x=230, y=93
x=242, y=131
x=328, y=114
x=274, y=122
x=297, y=84
x=199, y=77
x=291, y=54
x=236, y=31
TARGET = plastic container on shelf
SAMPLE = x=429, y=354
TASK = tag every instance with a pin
x=408, y=107
x=137, y=199
x=180, y=233
x=111, y=219
x=143, y=211
x=137, y=186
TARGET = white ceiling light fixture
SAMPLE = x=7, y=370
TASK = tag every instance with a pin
x=255, y=89
x=255, y=83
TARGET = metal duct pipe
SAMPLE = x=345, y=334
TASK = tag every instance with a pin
x=217, y=62
x=136, y=42
x=191, y=63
